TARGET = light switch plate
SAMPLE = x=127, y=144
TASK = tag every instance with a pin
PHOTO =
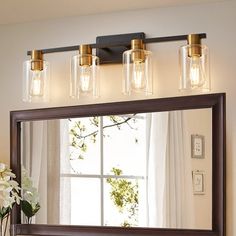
x=198, y=178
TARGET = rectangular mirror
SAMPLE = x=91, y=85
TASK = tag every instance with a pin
x=132, y=165
x=128, y=170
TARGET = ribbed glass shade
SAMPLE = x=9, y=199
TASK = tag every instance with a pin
x=194, y=68
x=137, y=72
x=84, y=79
x=36, y=83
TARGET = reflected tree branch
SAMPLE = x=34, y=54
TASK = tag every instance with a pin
x=107, y=126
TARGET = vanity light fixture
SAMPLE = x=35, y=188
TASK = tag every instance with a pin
x=113, y=49
x=194, y=65
x=84, y=73
x=137, y=69
x=36, y=78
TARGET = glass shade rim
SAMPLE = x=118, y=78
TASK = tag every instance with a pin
x=202, y=46
x=76, y=57
x=45, y=63
x=147, y=52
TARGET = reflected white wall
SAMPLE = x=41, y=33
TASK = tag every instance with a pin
x=200, y=122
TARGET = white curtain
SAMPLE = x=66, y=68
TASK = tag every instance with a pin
x=65, y=168
x=41, y=158
x=34, y=160
x=170, y=200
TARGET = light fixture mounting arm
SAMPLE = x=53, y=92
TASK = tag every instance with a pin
x=110, y=48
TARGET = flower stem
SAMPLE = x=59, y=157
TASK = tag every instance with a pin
x=1, y=225
x=6, y=225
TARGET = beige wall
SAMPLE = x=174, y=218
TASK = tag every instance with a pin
x=198, y=122
x=217, y=20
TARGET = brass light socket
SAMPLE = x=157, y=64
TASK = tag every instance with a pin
x=194, y=42
x=138, y=46
x=36, y=60
x=85, y=55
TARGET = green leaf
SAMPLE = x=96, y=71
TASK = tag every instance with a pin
x=124, y=195
x=4, y=212
x=36, y=209
x=27, y=208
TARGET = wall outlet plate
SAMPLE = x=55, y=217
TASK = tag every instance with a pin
x=197, y=146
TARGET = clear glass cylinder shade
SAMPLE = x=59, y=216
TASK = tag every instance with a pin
x=194, y=69
x=137, y=72
x=36, y=83
x=84, y=79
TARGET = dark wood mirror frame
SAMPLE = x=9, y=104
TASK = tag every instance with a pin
x=214, y=101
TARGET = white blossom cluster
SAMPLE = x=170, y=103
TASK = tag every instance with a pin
x=30, y=193
x=9, y=188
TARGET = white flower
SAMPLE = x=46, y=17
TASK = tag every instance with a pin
x=9, y=189
x=2, y=167
x=31, y=194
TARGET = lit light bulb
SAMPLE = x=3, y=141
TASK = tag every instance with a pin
x=36, y=88
x=85, y=78
x=197, y=77
x=138, y=78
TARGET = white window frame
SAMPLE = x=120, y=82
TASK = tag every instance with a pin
x=103, y=176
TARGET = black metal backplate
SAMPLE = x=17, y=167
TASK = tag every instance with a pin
x=113, y=55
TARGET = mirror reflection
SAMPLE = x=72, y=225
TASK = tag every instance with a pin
x=133, y=170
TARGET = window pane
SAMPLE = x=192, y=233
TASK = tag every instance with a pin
x=85, y=201
x=124, y=202
x=125, y=144
x=85, y=145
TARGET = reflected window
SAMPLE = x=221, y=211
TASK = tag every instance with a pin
x=104, y=182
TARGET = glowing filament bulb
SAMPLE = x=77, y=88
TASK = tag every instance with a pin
x=197, y=77
x=138, y=78
x=85, y=78
x=36, y=88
